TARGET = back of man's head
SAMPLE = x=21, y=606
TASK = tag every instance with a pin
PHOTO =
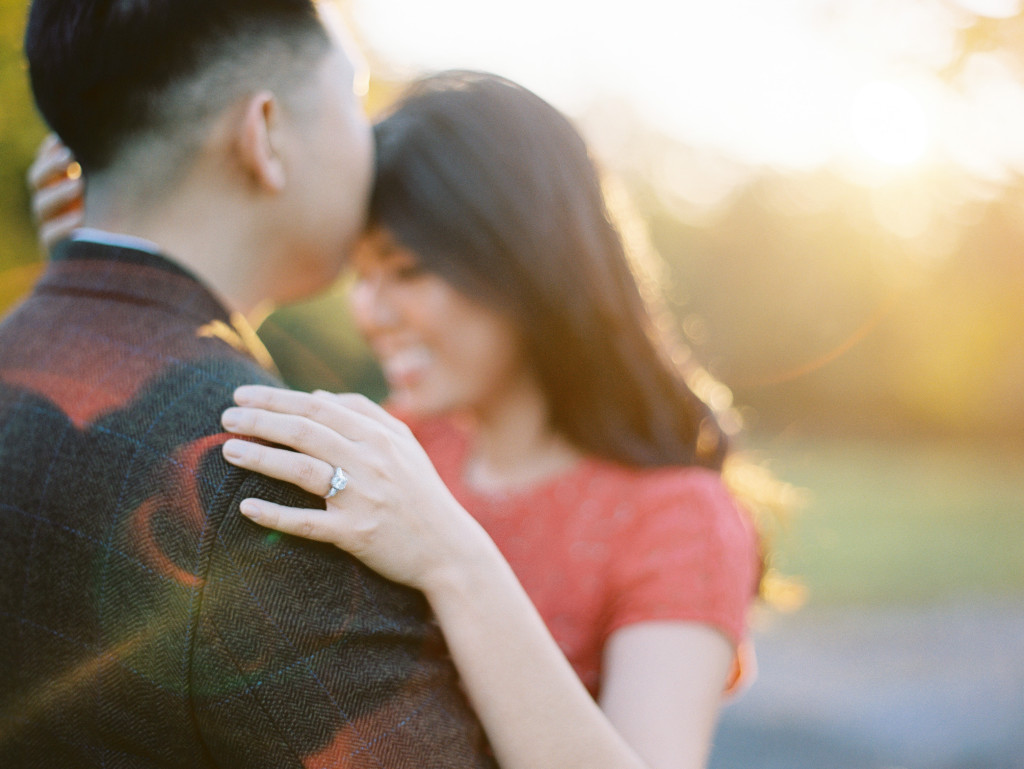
x=109, y=73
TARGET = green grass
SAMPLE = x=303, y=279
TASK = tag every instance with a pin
x=902, y=522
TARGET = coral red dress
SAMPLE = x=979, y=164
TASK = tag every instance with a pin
x=603, y=546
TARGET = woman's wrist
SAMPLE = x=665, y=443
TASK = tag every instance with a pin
x=476, y=562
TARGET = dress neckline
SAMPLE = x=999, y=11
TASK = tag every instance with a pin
x=580, y=469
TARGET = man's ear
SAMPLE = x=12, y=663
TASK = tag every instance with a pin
x=259, y=142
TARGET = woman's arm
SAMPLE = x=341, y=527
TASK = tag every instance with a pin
x=661, y=687
x=397, y=516
x=533, y=706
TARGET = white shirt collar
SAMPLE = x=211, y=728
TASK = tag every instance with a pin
x=93, y=235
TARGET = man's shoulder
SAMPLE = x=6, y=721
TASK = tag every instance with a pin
x=200, y=384
x=145, y=397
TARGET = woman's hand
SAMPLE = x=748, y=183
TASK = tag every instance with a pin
x=55, y=181
x=399, y=518
x=396, y=514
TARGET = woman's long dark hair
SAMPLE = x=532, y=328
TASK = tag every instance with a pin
x=496, y=192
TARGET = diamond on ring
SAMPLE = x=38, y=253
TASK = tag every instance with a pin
x=338, y=482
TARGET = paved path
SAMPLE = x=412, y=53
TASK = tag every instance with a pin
x=939, y=687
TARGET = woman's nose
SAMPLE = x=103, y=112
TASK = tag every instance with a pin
x=372, y=306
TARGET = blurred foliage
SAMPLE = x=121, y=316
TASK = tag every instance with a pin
x=21, y=131
x=817, y=315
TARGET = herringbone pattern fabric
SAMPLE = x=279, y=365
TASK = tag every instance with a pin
x=143, y=621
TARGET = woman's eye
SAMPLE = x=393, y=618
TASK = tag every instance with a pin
x=409, y=271
x=383, y=273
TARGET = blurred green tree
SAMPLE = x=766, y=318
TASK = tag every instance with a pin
x=21, y=130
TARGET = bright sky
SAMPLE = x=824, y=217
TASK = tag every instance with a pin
x=789, y=83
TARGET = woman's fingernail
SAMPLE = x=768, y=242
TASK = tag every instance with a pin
x=244, y=395
x=231, y=418
x=250, y=510
x=235, y=449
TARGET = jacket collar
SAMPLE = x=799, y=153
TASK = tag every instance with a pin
x=121, y=274
x=116, y=273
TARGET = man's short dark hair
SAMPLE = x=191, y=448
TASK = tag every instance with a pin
x=105, y=72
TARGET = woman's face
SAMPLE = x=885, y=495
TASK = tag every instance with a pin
x=440, y=350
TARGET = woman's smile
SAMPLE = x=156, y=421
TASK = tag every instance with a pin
x=406, y=367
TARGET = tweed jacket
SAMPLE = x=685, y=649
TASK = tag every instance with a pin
x=143, y=621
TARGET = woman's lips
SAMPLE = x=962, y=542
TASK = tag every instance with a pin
x=406, y=367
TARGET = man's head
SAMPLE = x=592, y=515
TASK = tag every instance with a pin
x=256, y=92
x=107, y=73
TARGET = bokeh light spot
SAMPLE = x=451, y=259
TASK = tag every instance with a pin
x=890, y=125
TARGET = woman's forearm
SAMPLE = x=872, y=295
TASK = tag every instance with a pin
x=533, y=707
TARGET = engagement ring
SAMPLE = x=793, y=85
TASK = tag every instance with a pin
x=338, y=482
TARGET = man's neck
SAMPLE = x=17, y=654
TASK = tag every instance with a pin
x=209, y=253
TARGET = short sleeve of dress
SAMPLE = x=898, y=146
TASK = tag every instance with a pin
x=687, y=552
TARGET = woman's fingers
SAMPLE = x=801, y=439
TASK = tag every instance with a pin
x=58, y=228
x=282, y=400
x=53, y=161
x=55, y=198
x=55, y=181
x=301, y=522
x=362, y=405
x=49, y=143
x=312, y=475
x=354, y=416
x=297, y=432
x=41, y=169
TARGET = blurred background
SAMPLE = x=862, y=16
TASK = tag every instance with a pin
x=835, y=189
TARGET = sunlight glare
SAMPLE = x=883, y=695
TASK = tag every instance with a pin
x=336, y=20
x=994, y=9
x=782, y=85
x=890, y=125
